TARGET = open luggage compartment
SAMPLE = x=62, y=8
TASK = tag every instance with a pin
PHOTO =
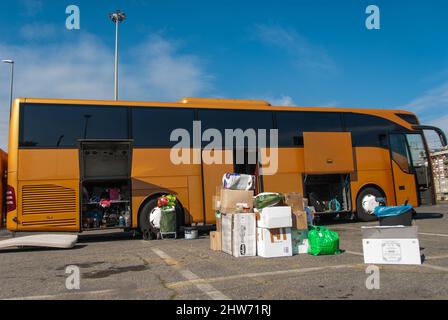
x=105, y=184
x=328, y=193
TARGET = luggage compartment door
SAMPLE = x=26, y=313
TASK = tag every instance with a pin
x=328, y=152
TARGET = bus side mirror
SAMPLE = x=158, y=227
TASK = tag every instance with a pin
x=439, y=132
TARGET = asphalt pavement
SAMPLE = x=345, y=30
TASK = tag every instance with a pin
x=120, y=265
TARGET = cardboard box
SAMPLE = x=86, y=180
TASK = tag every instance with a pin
x=299, y=220
x=226, y=233
x=305, y=203
x=219, y=224
x=215, y=240
x=275, y=217
x=295, y=201
x=299, y=239
x=391, y=245
x=231, y=198
x=239, y=234
x=216, y=200
x=274, y=242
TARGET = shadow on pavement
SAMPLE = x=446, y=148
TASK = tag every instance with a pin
x=428, y=215
x=112, y=236
x=38, y=249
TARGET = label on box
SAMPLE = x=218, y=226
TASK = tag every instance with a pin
x=391, y=251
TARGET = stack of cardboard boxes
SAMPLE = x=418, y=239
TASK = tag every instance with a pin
x=276, y=231
x=300, y=222
x=235, y=223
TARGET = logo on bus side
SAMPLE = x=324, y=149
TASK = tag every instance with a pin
x=250, y=147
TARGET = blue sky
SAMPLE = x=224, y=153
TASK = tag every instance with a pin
x=287, y=52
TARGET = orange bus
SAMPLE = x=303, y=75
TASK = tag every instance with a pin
x=3, y=169
x=77, y=165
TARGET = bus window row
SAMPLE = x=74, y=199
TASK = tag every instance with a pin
x=61, y=126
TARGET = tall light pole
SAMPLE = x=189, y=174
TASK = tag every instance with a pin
x=116, y=18
x=11, y=63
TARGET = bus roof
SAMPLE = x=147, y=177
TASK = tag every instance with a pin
x=215, y=103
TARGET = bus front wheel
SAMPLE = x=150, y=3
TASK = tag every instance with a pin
x=366, y=203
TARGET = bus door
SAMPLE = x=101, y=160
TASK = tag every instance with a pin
x=212, y=178
x=243, y=161
x=411, y=169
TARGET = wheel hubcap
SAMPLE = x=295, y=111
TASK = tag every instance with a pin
x=369, y=203
x=154, y=217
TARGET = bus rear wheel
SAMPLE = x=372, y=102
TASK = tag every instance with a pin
x=148, y=231
x=146, y=228
x=366, y=203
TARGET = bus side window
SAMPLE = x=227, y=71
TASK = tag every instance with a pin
x=292, y=124
x=400, y=154
x=250, y=163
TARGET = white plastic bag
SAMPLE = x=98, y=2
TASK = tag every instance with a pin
x=236, y=181
x=154, y=217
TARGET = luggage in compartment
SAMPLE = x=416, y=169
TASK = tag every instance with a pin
x=328, y=193
x=105, y=169
x=106, y=205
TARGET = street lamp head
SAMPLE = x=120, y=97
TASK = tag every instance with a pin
x=117, y=16
x=8, y=61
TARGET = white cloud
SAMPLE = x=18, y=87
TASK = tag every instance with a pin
x=154, y=70
x=304, y=54
x=282, y=100
x=432, y=109
x=433, y=101
x=441, y=122
x=37, y=31
x=332, y=104
x=432, y=106
x=164, y=73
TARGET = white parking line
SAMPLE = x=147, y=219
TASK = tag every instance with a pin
x=354, y=253
x=430, y=266
x=434, y=234
x=201, y=284
x=60, y=295
x=443, y=256
x=261, y=274
x=422, y=233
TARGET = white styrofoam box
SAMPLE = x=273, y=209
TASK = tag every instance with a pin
x=239, y=234
x=299, y=238
x=275, y=217
x=391, y=245
x=274, y=242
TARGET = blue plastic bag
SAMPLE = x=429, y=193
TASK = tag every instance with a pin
x=383, y=211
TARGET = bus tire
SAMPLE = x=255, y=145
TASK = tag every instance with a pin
x=147, y=230
x=366, y=214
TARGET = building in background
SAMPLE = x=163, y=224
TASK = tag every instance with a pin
x=439, y=161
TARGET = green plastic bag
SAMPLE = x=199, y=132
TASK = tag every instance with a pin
x=168, y=220
x=323, y=241
x=267, y=199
